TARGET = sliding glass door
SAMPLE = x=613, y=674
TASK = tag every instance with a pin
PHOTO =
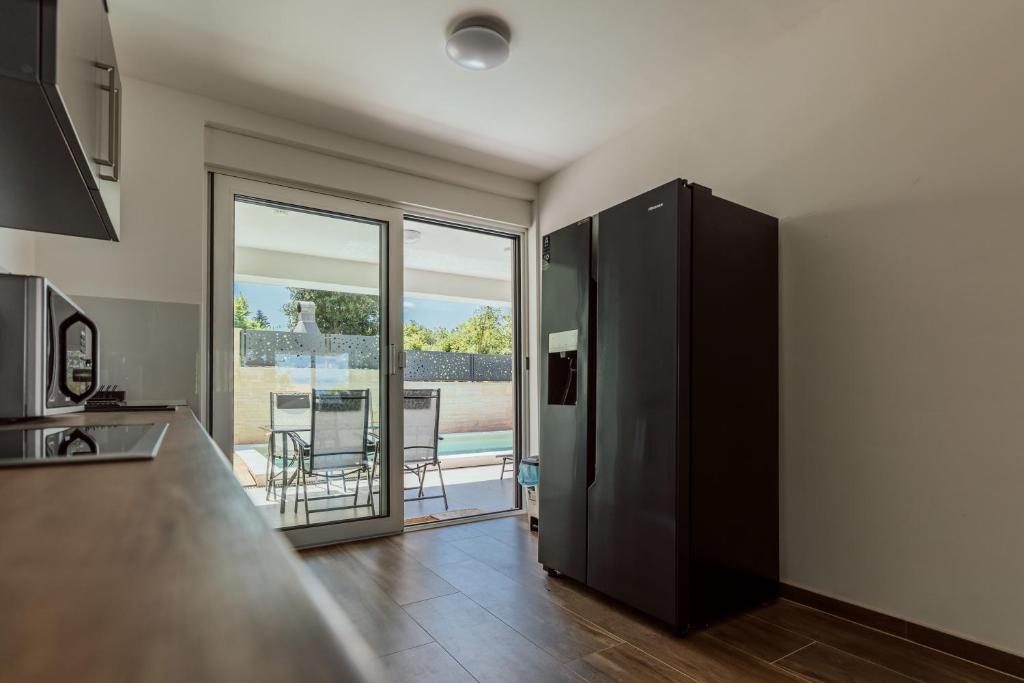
x=306, y=389
x=461, y=319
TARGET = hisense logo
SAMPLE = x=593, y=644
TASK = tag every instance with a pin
x=656, y=206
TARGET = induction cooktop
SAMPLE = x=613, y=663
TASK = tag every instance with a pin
x=79, y=444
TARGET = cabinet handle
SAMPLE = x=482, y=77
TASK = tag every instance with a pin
x=113, y=158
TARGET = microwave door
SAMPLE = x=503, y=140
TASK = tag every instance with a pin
x=72, y=354
x=77, y=354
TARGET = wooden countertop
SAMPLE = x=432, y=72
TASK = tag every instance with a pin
x=158, y=570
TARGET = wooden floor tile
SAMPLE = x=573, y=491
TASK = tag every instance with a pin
x=454, y=532
x=697, y=655
x=424, y=664
x=823, y=663
x=759, y=638
x=523, y=540
x=504, y=557
x=336, y=568
x=626, y=664
x=606, y=613
x=398, y=573
x=429, y=550
x=477, y=580
x=515, y=524
x=484, y=645
x=381, y=621
x=709, y=660
x=891, y=652
x=512, y=531
x=561, y=633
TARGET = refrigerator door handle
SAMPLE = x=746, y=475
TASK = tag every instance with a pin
x=591, y=465
x=591, y=352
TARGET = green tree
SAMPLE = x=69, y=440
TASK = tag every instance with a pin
x=242, y=312
x=337, y=312
x=245, y=319
x=418, y=337
x=488, y=330
x=260, y=320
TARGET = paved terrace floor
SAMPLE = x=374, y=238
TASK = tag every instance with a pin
x=471, y=491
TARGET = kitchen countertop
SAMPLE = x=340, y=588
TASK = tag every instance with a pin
x=157, y=570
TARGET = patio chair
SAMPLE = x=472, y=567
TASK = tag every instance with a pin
x=422, y=410
x=507, y=464
x=339, y=446
x=287, y=409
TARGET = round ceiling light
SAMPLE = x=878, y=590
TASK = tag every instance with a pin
x=478, y=43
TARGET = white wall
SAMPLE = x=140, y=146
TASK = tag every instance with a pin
x=164, y=194
x=160, y=255
x=17, y=251
x=886, y=136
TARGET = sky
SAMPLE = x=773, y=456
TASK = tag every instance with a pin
x=427, y=312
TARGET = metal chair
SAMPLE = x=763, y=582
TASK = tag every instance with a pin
x=338, y=446
x=287, y=409
x=507, y=464
x=422, y=410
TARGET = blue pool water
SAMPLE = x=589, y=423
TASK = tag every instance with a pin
x=466, y=443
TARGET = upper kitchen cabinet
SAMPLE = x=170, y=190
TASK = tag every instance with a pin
x=60, y=119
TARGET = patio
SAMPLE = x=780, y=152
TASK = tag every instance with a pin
x=472, y=489
x=475, y=421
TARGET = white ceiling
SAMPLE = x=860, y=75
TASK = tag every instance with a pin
x=461, y=252
x=581, y=71
x=438, y=249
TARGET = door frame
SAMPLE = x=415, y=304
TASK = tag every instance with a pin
x=220, y=387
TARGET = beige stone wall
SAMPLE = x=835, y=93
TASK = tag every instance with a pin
x=465, y=406
x=473, y=406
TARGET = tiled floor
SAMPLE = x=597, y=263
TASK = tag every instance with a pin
x=470, y=602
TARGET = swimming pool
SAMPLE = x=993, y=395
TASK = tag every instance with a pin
x=465, y=443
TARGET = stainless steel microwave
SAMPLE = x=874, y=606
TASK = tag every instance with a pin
x=49, y=350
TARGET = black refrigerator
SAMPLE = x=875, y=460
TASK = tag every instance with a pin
x=659, y=404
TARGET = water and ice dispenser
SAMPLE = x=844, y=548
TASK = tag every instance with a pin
x=562, y=366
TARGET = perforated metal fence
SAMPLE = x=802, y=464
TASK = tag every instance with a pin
x=441, y=366
x=266, y=348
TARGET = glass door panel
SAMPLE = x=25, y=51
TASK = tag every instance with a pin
x=460, y=336
x=306, y=366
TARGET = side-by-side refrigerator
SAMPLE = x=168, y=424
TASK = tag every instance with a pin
x=659, y=404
